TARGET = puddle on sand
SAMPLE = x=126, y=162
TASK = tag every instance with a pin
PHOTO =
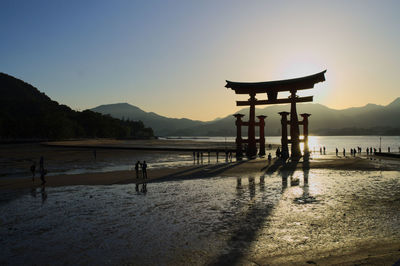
x=200, y=221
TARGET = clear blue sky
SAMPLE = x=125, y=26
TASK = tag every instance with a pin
x=173, y=57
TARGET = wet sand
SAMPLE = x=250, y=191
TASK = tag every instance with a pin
x=343, y=217
x=245, y=167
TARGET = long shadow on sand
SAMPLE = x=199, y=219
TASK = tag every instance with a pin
x=251, y=223
x=199, y=172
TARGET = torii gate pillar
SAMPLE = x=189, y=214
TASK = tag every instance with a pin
x=252, y=145
x=284, y=139
x=262, y=134
x=305, y=132
x=239, y=139
x=294, y=127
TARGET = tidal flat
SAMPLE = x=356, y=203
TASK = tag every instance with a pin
x=320, y=216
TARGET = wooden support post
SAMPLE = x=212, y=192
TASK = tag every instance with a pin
x=262, y=134
x=284, y=139
x=305, y=132
x=294, y=127
x=239, y=139
x=252, y=146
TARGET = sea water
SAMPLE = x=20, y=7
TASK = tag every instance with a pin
x=329, y=142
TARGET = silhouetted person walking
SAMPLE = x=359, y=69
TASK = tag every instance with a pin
x=33, y=171
x=144, y=169
x=269, y=158
x=137, y=168
x=337, y=152
x=324, y=150
x=344, y=152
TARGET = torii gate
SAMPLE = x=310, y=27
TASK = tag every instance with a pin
x=271, y=88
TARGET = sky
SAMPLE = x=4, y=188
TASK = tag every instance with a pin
x=173, y=57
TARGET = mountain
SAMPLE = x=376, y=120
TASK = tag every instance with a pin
x=27, y=113
x=160, y=124
x=370, y=119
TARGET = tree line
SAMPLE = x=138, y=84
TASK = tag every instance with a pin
x=26, y=113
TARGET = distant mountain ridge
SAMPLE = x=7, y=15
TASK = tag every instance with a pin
x=370, y=119
x=161, y=125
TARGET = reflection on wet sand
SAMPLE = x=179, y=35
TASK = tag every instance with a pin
x=255, y=220
x=143, y=188
x=43, y=193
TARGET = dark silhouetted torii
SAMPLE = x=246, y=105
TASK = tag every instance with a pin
x=271, y=88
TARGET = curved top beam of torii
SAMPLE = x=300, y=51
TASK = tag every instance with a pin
x=302, y=83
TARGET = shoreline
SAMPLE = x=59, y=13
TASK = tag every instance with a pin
x=240, y=168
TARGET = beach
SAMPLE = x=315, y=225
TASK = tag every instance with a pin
x=328, y=210
x=257, y=166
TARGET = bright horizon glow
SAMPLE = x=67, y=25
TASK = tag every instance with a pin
x=173, y=57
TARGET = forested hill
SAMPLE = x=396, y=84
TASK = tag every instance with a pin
x=27, y=113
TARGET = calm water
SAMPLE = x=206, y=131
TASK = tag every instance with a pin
x=202, y=220
x=330, y=142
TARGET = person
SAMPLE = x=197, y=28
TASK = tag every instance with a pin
x=367, y=151
x=269, y=158
x=388, y=149
x=137, y=168
x=43, y=173
x=324, y=150
x=144, y=169
x=344, y=152
x=33, y=171
x=337, y=152
x=278, y=152
x=320, y=150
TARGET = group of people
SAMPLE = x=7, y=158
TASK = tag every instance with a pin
x=141, y=168
x=199, y=155
x=358, y=150
x=42, y=170
x=281, y=154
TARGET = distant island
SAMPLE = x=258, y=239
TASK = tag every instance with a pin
x=370, y=119
x=28, y=114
